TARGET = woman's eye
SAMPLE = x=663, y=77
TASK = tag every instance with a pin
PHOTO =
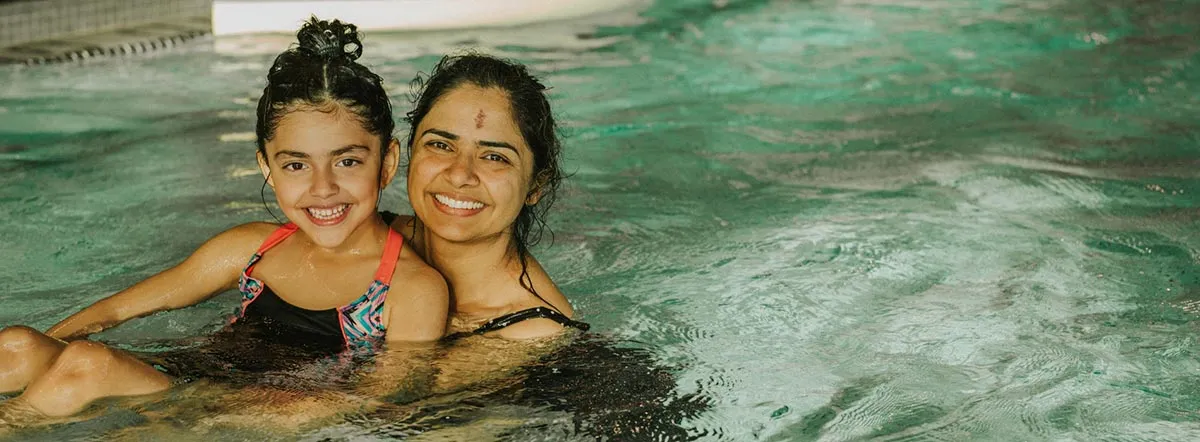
x=293, y=166
x=495, y=157
x=348, y=162
x=438, y=145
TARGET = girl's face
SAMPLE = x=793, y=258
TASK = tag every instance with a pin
x=326, y=171
x=470, y=170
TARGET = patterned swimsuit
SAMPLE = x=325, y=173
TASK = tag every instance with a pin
x=357, y=325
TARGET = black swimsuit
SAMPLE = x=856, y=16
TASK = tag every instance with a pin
x=523, y=315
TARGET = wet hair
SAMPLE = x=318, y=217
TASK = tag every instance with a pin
x=527, y=100
x=320, y=73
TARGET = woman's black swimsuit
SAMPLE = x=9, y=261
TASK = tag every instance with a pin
x=532, y=313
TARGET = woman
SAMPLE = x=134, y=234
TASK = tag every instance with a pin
x=483, y=171
x=325, y=145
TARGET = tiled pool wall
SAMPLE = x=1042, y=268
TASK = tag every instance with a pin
x=24, y=21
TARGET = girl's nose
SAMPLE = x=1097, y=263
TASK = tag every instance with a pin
x=324, y=183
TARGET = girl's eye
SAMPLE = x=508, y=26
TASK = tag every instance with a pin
x=495, y=157
x=293, y=166
x=348, y=162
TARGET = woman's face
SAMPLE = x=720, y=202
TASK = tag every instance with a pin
x=325, y=169
x=470, y=171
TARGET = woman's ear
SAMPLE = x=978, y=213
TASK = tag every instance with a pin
x=391, y=161
x=535, y=193
x=264, y=168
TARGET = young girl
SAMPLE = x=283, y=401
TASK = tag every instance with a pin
x=325, y=146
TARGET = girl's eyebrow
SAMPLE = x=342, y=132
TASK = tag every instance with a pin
x=340, y=151
x=350, y=148
x=290, y=153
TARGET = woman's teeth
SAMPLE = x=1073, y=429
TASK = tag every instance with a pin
x=331, y=213
x=469, y=205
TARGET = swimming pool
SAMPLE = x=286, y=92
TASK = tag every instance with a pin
x=833, y=220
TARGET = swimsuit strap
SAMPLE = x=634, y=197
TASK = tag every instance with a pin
x=531, y=313
x=362, y=320
x=276, y=237
x=391, y=254
x=248, y=285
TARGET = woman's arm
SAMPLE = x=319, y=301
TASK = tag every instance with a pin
x=479, y=359
x=212, y=268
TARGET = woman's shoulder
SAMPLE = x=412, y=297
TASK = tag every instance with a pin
x=533, y=328
x=547, y=291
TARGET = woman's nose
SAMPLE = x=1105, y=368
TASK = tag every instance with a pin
x=462, y=171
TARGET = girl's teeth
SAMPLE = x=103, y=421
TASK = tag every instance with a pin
x=470, y=205
x=328, y=213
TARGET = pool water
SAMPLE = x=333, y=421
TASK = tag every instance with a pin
x=822, y=220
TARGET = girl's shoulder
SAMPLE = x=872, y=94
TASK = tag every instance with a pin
x=240, y=241
x=235, y=244
x=414, y=271
x=250, y=235
x=253, y=230
x=419, y=296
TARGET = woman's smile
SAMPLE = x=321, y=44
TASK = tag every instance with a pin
x=457, y=205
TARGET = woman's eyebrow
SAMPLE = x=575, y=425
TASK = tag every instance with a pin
x=500, y=144
x=440, y=133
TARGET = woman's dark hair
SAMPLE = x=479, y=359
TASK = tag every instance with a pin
x=321, y=73
x=527, y=99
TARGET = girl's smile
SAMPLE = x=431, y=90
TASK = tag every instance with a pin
x=328, y=216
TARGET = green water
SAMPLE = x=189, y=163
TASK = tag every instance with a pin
x=831, y=220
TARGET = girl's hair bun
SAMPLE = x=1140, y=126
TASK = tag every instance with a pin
x=330, y=40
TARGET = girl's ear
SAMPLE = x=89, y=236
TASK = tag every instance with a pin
x=264, y=168
x=391, y=161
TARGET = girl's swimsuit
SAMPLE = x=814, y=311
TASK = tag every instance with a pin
x=356, y=326
x=271, y=341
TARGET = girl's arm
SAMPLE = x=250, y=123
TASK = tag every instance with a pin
x=212, y=268
x=416, y=310
x=415, y=316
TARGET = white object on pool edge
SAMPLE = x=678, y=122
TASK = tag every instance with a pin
x=272, y=16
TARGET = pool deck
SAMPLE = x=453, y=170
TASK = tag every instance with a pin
x=111, y=43
x=231, y=17
x=285, y=16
